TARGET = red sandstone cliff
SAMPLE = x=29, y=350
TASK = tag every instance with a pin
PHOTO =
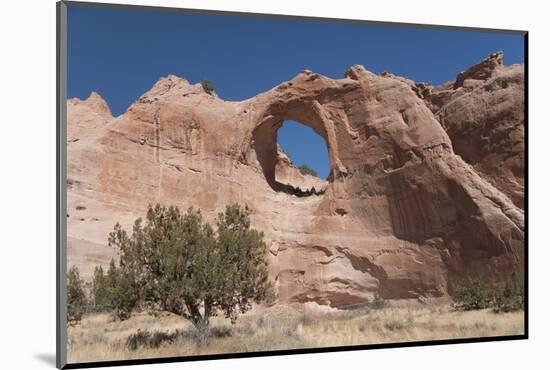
x=401, y=215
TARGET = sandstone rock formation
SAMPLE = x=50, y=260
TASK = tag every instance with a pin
x=483, y=113
x=287, y=174
x=86, y=116
x=402, y=215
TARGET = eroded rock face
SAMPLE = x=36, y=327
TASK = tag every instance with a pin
x=402, y=215
x=86, y=116
x=298, y=183
x=483, y=112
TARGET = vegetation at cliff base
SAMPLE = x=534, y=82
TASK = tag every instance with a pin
x=475, y=293
x=76, y=296
x=176, y=262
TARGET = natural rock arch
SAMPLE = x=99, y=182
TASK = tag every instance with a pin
x=264, y=142
x=403, y=216
x=287, y=103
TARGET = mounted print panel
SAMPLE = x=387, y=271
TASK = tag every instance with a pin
x=239, y=184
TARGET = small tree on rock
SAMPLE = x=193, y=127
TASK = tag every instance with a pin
x=347, y=72
x=207, y=86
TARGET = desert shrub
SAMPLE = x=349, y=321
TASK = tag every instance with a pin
x=154, y=339
x=347, y=72
x=181, y=265
x=394, y=325
x=207, y=86
x=511, y=295
x=138, y=339
x=114, y=291
x=124, y=292
x=76, y=296
x=378, y=303
x=474, y=293
x=101, y=298
x=306, y=170
x=221, y=331
x=145, y=338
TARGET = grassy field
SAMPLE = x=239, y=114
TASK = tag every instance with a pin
x=100, y=338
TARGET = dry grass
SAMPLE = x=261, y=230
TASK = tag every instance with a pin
x=99, y=338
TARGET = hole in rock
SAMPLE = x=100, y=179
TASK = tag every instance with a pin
x=290, y=136
x=302, y=165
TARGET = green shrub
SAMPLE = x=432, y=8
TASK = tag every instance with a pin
x=378, y=303
x=511, y=295
x=124, y=292
x=100, y=291
x=473, y=293
x=306, y=170
x=76, y=296
x=182, y=266
x=347, y=72
x=207, y=86
x=114, y=291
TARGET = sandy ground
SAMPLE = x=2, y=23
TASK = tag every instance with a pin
x=100, y=338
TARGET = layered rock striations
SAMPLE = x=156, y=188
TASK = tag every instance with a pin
x=299, y=184
x=483, y=112
x=400, y=215
x=86, y=116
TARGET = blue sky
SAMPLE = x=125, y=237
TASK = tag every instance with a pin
x=121, y=53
